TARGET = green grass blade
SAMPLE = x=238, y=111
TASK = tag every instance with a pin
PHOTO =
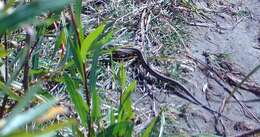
x=27, y=12
x=3, y=53
x=46, y=132
x=125, y=111
x=162, y=125
x=112, y=116
x=149, y=129
x=113, y=130
x=76, y=56
x=99, y=41
x=60, y=39
x=77, y=10
x=20, y=119
x=87, y=44
x=122, y=77
x=80, y=105
x=92, y=80
x=6, y=90
x=77, y=6
x=26, y=100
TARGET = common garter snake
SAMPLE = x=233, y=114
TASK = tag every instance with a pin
x=126, y=52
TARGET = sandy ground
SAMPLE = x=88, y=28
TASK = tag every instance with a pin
x=239, y=40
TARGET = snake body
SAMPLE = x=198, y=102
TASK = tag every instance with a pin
x=154, y=73
x=168, y=80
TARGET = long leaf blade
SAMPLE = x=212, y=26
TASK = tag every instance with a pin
x=26, y=99
x=80, y=105
x=46, y=132
x=21, y=119
x=149, y=129
x=27, y=12
x=89, y=40
x=114, y=130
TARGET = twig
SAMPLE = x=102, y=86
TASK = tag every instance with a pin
x=30, y=37
x=143, y=23
x=256, y=48
x=250, y=133
x=243, y=106
x=241, y=83
x=84, y=65
x=218, y=121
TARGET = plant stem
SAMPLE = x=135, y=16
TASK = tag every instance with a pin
x=85, y=82
x=26, y=66
x=30, y=38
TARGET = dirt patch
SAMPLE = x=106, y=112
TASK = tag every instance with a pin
x=236, y=37
x=238, y=41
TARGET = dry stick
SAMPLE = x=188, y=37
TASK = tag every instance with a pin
x=84, y=64
x=250, y=133
x=225, y=88
x=240, y=84
x=217, y=120
x=243, y=106
x=26, y=66
x=29, y=40
x=244, y=101
x=33, y=47
x=143, y=24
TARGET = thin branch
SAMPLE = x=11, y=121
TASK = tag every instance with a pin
x=85, y=82
x=240, y=84
x=250, y=133
x=30, y=37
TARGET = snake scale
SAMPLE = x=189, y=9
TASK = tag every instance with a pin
x=138, y=54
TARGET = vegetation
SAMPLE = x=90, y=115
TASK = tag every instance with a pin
x=50, y=67
x=34, y=106
x=25, y=73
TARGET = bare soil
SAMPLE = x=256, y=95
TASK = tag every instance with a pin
x=236, y=37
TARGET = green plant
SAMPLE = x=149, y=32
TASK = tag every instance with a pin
x=35, y=106
x=25, y=112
